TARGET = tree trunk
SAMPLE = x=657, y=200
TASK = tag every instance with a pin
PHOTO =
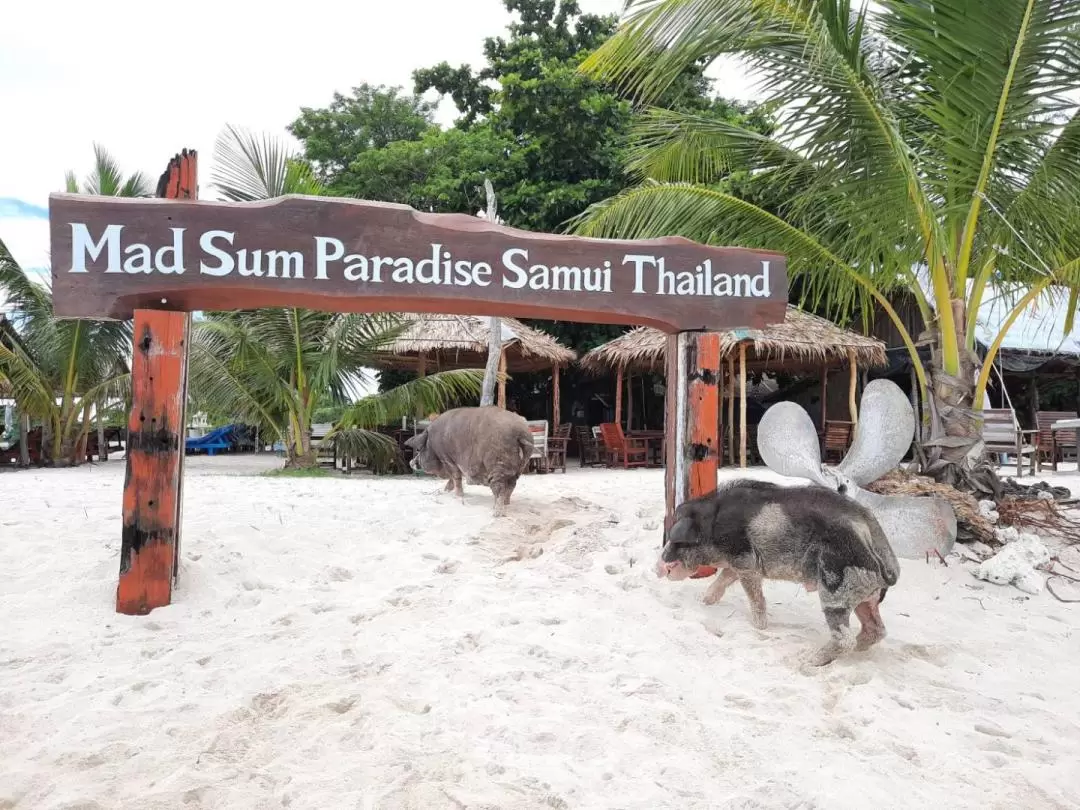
x=954, y=453
x=24, y=440
x=491, y=370
x=487, y=396
x=103, y=450
x=300, y=454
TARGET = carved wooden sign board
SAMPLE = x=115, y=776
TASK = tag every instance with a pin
x=157, y=259
x=111, y=256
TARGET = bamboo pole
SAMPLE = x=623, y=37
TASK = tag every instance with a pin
x=853, y=383
x=731, y=411
x=556, y=411
x=618, y=396
x=629, y=402
x=742, y=405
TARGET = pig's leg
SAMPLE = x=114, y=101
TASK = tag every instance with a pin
x=715, y=592
x=751, y=583
x=873, y=629
x=502, y=490
x=841, y=639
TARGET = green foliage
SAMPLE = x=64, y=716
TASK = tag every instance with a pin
x=281, y=368
x=370, y=118
x=551, y=139
x=933, y=136
x=81, y=363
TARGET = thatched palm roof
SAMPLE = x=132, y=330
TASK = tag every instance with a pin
x=801, y=341
x=461, y=341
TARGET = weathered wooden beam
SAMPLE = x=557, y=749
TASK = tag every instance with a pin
x=692, y=443
x=153, y=486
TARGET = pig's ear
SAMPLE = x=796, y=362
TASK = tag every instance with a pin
x=418, y=441
x=679, y=534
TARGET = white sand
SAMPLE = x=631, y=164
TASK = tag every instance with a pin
x=368, y=643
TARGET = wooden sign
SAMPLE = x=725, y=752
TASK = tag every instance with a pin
x=111, y=256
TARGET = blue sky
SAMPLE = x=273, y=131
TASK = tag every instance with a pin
x=73, y=73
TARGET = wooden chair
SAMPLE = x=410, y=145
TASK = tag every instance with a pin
x=1050, y=444
x=556, y=447
x=1003, y=434
x=539, y=430
x=837, y=439
x=588, y=446
x=633, y=452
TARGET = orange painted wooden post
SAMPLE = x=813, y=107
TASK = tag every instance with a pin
x=153, y=487
x=693, y=416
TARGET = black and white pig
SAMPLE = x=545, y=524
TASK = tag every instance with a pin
x=486, y=445
x=755, y=530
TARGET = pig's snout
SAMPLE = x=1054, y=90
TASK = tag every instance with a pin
x=414, y=464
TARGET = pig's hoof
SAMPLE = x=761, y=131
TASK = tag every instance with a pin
x=822, y=657
x=864, y=641
x=711, y=598
x=759, y=620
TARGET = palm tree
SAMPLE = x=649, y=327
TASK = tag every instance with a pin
x=928, y=146
x=81, y=363
x=276, y=367
x=107, y=180
x=58, y=370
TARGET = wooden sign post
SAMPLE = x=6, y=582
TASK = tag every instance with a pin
x=156, y=260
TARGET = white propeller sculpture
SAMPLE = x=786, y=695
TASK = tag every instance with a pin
x=788, y=444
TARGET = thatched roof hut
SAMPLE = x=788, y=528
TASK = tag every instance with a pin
x=445, y=342
x=803, y=341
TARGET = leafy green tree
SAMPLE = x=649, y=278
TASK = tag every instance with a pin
x=277, y=368
x=933, y=137
x=368, y=119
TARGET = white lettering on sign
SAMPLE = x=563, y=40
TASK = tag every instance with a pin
x=436, y=265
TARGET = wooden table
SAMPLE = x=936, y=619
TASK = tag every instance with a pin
x=1062, y=424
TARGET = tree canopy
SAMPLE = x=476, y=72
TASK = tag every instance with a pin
x=551, y=139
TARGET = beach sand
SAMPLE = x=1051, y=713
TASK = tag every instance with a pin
x=373, y=643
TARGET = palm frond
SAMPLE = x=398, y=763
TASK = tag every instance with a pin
x=423, y=395
x=379, y=451
x=249, y=167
